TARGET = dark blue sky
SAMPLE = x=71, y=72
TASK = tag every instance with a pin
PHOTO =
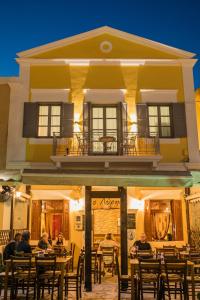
x=25, y=24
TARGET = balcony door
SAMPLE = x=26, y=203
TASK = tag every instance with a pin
x=104, y=133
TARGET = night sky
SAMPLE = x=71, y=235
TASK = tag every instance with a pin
x=25, y=24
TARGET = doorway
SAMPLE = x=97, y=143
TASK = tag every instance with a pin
x=104, y=129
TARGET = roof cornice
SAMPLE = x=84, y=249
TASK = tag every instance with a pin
x=117, y=62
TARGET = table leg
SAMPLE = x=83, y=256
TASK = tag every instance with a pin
x=133, y=288
x=6, y=282
x=100, y=269
x=62, y=282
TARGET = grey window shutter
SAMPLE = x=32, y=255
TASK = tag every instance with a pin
x=67, y=120
x=86, y=117
x=179, y=120
x=30, y=122
x=142, y=120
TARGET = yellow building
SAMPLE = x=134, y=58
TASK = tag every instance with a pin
x=103, y=115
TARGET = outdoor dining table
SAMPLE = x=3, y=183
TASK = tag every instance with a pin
x=61, y=263
x=134, y=269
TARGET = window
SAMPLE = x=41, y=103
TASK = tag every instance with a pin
x=104, y=125
x=160, y=120
x=49, y=120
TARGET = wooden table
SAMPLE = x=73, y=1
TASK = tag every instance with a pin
x=61, y=263
x=134, y=268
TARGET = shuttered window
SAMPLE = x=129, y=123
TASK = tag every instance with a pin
x=41, y=120
x=49, y=120
x=160, y=120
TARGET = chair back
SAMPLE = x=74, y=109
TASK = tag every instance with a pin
x=45, y=264
x=144, y=254
x=177, y=267
x=20, y=264
x=152, y=267
x=108, y=255
x=80, y=266
x=94, y=258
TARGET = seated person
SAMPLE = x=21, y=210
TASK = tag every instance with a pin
x=109, y=242
x=60, y=239
x=140, y=245
x=11, y=247
x=44, y=242
x=23, y=245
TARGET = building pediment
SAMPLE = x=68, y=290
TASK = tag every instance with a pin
x=105, y=42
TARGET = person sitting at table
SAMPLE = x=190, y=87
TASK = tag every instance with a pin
x=44, y=242
x=109, y=242
x=141, y=245
x=11, y=247
x=60, y=239
x=23, y=245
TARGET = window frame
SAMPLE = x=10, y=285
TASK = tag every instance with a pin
x=49, y=104
x=91, y=130
x=159, y=105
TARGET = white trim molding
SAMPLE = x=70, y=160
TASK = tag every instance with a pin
x=102, y=96
x=106, y=61
x=50, y=95
x=158, y=96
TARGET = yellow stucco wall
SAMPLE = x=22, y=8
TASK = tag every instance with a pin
x=197, y=97
x=90, y=48
x=108, y=77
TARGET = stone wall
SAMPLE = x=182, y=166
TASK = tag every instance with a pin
x=106, y=220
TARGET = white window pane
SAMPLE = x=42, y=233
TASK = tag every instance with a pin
x=97, y=124
x=111, y=112
x=153, y=110
x=153, y=131
x=55, y=130
x=153, y=121
x=55, y=110
x=43, y=121
x=111, y=124
x=43, y=110
x=97, y=112
x=165, y=121
x=166, y=131
x=42, y=131
x=164, y=110
x=55, y=121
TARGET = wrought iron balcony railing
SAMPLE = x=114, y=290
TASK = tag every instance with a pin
x=131, y=144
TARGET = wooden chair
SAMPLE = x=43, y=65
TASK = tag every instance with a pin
x=174, y=279
x=72, y=252
x=95, y=267
x=47, y=277
x=73, y=280
x=144, y=254
x=129, y=145
x=149, y=277
x=22, y=276
x=124, y=281
x=108, y=255
x=193, y=280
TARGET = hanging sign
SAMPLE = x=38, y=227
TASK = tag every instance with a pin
x=106, y=203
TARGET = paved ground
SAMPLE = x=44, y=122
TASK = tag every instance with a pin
x=105, y=291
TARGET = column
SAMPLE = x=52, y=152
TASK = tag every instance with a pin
x=88, y=238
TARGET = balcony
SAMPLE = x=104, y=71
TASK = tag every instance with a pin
x=97, y=152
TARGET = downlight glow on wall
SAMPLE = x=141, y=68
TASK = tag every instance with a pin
x=106, y=46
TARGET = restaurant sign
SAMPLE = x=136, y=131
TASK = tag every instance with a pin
x=106, y=203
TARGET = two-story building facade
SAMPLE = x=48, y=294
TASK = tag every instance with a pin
x=104, y=115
